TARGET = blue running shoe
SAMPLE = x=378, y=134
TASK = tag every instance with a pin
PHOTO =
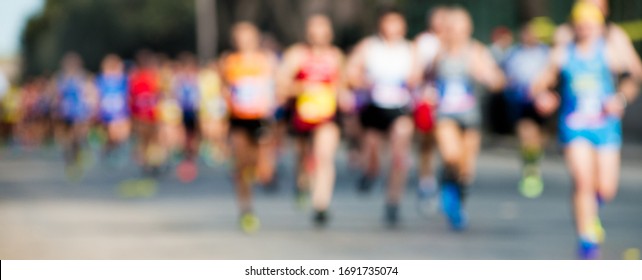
x=452, y=206
x=589, y=250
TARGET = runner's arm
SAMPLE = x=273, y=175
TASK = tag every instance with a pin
x=627, y=82
x=541, y=91
x=485, y=69
x=344, y=96
x=225, y=83
x=416, y=73
x=355, y=68
x=285, y=75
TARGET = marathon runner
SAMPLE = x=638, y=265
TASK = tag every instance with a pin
x=460, y=64
x=249, y=86
x=385, y=65
x=595, y=86
x=312, y=73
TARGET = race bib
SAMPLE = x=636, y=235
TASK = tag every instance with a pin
x=112, y=104
x=589, y=107
x=456, y=98
x=170, y=112
x=390, y=96
x=316, y=104
x=145, y=101
x=252, y=97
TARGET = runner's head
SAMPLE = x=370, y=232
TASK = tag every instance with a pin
x=146, y=59
x=459, y=26
x=528, y=36
x=246, y=36
x=603, y=5
x=71, y=62
x=319, y=30
x=587, y=19
x=112, y=64
x=436, y=19
x=188, y=61
x=392, y=24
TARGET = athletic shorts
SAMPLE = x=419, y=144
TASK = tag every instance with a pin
x=381, y=119
x=524, y=111
x=299, y=128
x=107, y=118
x=608, y=136
x=465, y=120
x=190, y=120
x=255, y=128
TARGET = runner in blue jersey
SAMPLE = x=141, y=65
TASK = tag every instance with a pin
x=188, y=95
x=73, y=110
x=112, y=85
x=523, y=64
x=595, y=87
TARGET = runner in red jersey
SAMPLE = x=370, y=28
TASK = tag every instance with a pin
x=143, y=98
x=311, y=74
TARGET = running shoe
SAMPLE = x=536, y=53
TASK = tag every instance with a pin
x=392, y=215
x=452, y=206
x=137, y=188
x=531, y=185
x=320, y=218
x=588, y=250
x=249, y=222
x=301, y=198
x=427, y=202
x=206, y=154
x=272, y=186
x=365, y=184
x=187, y=171
x=600, y=233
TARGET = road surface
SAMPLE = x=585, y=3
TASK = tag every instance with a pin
x=44, y=216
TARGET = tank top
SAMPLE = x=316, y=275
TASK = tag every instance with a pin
x=252, y=86
x=388, y=67
x=522, y=66
x=586, y=83
x=144, y=89
x=454, y=84
x=113, y=94
x=187, y=92
x=211, y=103
x=319, y=75
x=73, y=105
x=169, y=111
x=427, y=47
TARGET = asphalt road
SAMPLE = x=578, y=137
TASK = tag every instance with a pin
x=44, y=216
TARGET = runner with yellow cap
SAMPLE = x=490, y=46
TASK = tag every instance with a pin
x=613, y=33
x=592, y=105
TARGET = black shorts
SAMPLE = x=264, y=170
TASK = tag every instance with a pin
x=524, y=111
x=255, y=128
x=381, y=119
x=190, y=121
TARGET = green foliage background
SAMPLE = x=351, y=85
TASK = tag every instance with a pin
x=97, y=27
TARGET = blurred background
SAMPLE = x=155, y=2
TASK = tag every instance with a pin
x=43, y=215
